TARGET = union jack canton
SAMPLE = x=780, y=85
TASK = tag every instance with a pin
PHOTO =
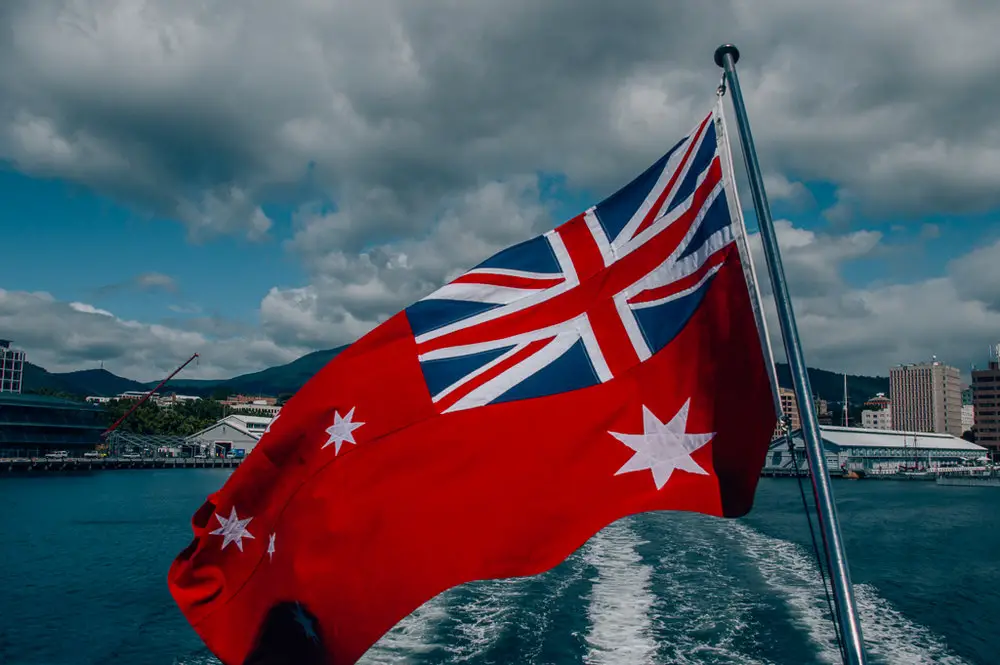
x=587, y=301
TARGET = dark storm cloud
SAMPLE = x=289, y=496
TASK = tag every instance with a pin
x=420, y=130
x=177, y=107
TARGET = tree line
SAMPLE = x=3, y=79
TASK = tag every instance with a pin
x=180, y=419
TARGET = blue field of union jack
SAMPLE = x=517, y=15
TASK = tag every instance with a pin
x=589, y=300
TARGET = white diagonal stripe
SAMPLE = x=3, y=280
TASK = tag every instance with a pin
x=500, y=384
x=488, y=293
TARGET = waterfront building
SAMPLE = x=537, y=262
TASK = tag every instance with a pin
x=986, y=401
x=11, y=367
x=876, y=452
x=33, y=425
x=926, y=397
x=232, y=433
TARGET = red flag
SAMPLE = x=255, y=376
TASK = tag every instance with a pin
x=608, y=367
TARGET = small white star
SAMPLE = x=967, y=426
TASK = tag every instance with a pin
x=267, y=430
x=307, y=625
x=663, y=448
x=270, y=547
x=233, y=529
x=342, y=430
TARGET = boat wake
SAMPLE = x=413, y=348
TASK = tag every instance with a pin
x=412, y=637
x=791, y=571
x=620, y=599
x=651, y=589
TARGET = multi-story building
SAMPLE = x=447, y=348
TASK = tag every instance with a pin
x=986, y=402
x=11, y=368
x=926, y=397
x=789, y=407
x=967, y=396
x=968, y=417
x=240, y=400
x=879, y=402
x=877, y=418
x=877, y=413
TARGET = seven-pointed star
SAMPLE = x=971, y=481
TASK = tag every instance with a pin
x=233, y=529
x=663, y=447
x=341, y=430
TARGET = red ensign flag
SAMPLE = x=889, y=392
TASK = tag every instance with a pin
x=611, y=366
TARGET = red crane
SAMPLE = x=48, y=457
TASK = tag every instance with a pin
x=118, y=422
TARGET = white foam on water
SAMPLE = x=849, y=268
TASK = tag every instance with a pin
x=486, y=611
x=547, y=595
x=620, y=610
x=412, y=636
x=201, y=659
x=792, y=572
x=894, y=637
x=701, y=611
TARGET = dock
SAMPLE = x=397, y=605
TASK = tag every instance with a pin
x=70, y=464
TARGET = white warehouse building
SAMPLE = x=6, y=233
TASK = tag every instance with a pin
x=875, y=452
x=233, y=433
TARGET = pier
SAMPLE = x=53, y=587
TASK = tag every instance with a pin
x=70, y=464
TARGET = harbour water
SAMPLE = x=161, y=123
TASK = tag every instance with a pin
x=83, y=560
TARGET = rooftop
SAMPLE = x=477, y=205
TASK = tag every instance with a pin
x=44, y=401
x=859, y=437
x=257, y=420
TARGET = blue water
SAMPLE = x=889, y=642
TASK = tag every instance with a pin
x=83, y=561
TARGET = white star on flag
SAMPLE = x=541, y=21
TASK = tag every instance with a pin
x=233, y=529
x=341, y=430
x=663, y=447
x=270, y=547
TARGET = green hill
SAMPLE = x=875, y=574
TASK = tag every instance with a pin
x=830, y=385
x=82, y=383
x=271, y=381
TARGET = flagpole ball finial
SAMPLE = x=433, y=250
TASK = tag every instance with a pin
x=721, y=52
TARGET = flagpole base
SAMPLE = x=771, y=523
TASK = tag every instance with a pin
x=720, y=54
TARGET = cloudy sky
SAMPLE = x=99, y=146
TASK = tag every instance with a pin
x=253, y=180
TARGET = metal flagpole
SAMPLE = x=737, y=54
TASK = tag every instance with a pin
x=726, y=57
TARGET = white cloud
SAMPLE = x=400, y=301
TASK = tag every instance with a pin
x=63, y=336
x=867, y=330
x=205, y=112
x=155, y=280
x=843, y=328
x=352, y=292
x=780, y=188
x=411, y=138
